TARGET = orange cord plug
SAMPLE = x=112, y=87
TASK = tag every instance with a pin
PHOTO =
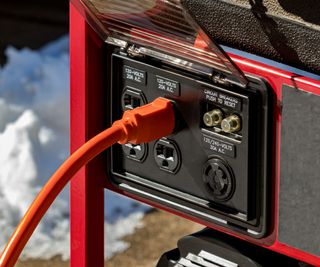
x=148, y=123
x=140, y=125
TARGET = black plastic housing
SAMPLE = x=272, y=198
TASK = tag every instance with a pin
x=285, y=31
x=242, y=156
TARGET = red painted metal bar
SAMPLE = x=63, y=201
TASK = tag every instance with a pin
x=87, y=192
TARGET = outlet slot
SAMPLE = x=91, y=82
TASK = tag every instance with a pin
x=167, y=155
x=219, y=179
x=132, y=98
x=135, y=152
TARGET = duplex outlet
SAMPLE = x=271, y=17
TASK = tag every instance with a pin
x=215, y=166
x=132, y=98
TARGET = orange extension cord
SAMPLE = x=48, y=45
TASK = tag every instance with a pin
x=140, y=125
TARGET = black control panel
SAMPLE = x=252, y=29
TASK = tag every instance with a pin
x=214, y=167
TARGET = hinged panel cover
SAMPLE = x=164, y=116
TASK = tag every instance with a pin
x=162, y=25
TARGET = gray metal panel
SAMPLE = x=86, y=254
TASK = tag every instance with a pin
x=299, y=221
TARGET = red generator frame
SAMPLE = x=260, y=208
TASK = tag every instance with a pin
x=87, y=109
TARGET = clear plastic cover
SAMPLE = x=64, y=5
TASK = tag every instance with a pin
x=162, y=26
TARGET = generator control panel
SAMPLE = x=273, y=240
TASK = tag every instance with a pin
x=214, y=167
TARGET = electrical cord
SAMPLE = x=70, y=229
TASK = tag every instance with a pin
x=140, y=125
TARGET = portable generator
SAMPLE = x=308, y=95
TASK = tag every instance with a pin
x=244, y=159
